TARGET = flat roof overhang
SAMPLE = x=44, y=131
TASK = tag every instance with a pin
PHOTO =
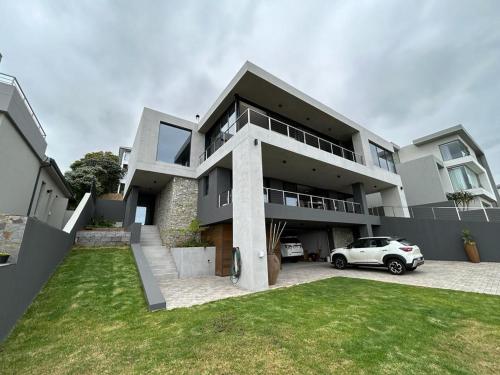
x=149, y=181
x=256, y=85
x=298, y=169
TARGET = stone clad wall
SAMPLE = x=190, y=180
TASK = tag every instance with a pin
x=11, y=235
x=97, y=238
x=176, y=207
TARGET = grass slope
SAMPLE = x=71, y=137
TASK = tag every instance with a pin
x=91, y=318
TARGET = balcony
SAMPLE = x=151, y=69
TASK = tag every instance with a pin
x=251, y=116
x=12, y=81
x=293, y=199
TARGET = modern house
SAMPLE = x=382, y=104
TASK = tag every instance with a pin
x=264, y=151
x=444, y=162
x=31, y=183
x=123, y=155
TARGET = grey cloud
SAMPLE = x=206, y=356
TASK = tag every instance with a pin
x=402, y=69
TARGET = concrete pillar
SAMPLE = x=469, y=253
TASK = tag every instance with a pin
x=358, y=191
x=249, y=224
x=130, y=206
x=394, y=202
x=361, y=146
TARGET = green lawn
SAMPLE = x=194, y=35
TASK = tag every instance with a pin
x=92, y=318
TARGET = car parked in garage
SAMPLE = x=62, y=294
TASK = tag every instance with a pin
x=397, y=254
x=291, y=248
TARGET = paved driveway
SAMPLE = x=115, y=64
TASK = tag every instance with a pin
x=469, y=277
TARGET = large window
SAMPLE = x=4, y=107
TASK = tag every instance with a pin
x=382, y=158
x=453, y=150
x=174, y=145
x=463, y=178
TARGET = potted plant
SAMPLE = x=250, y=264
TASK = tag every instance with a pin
x=4, y=257
x=470, y=246
x=273, y=261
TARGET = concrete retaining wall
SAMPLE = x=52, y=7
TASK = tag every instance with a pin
x=441, y=239
x=194, y=261
x=42, y=248
x=96, y=238
x=112, y=210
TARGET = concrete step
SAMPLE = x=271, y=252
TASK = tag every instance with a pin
x=161, y=262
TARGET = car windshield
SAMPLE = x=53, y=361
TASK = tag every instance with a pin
x=290, y=240
x=404, y=241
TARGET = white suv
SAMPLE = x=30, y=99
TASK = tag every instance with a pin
x=397, y=254
x=291, y=248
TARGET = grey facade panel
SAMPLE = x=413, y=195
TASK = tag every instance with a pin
x=278, y=211
x=154, y=296
x=209, y=212
x=441, y=239
x=110, y=209
x=421, y=181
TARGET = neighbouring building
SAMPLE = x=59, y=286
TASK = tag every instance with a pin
x=123, y=155
x=264, y=151
x=444, y=162
x=31, y=183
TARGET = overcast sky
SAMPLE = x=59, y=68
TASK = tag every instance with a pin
x=402, y=69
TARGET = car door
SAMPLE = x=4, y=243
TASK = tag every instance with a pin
x=374, y=250
x=358, y=251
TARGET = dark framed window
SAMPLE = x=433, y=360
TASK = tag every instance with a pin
x=453, y=150
x=174, y=144
x=382, y=158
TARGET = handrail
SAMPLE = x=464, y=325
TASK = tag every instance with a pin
x=204, y=155
x=226, y=198
x=331, y=144
x=11, y=80
x=322, y=200
x=226, y=135
x=432, y=211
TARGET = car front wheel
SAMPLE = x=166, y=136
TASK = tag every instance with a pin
x=339, y=262
x=396, y=267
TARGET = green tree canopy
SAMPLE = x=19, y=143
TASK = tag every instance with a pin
x=101, y=168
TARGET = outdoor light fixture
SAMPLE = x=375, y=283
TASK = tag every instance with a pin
x=197, y=117
x=255, y=142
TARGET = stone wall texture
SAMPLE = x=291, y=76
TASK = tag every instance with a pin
x=97, y=238
x=342, y=236
x=176, y=207
x=11, y=235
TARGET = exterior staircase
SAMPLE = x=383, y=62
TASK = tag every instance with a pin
x=158, y=256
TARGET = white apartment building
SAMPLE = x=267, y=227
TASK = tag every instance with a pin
x=444, y=162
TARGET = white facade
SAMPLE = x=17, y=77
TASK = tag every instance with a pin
x=124, y=156
x=460, y=164
x=31, y=184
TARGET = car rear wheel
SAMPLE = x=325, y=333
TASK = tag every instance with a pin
x=339, y=262
x=396, y=267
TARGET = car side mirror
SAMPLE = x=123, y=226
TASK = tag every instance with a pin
x=349, y=246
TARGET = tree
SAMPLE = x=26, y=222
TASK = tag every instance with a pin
x=461, y=198
x=101, y=168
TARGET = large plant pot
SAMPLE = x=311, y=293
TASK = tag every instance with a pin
x=472, y=252
x=4, y=258
x=273, y=268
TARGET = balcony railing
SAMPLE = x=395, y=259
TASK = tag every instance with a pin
x=253, y=117
x=293, y=199
x=477, y=214
x=10, y=80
